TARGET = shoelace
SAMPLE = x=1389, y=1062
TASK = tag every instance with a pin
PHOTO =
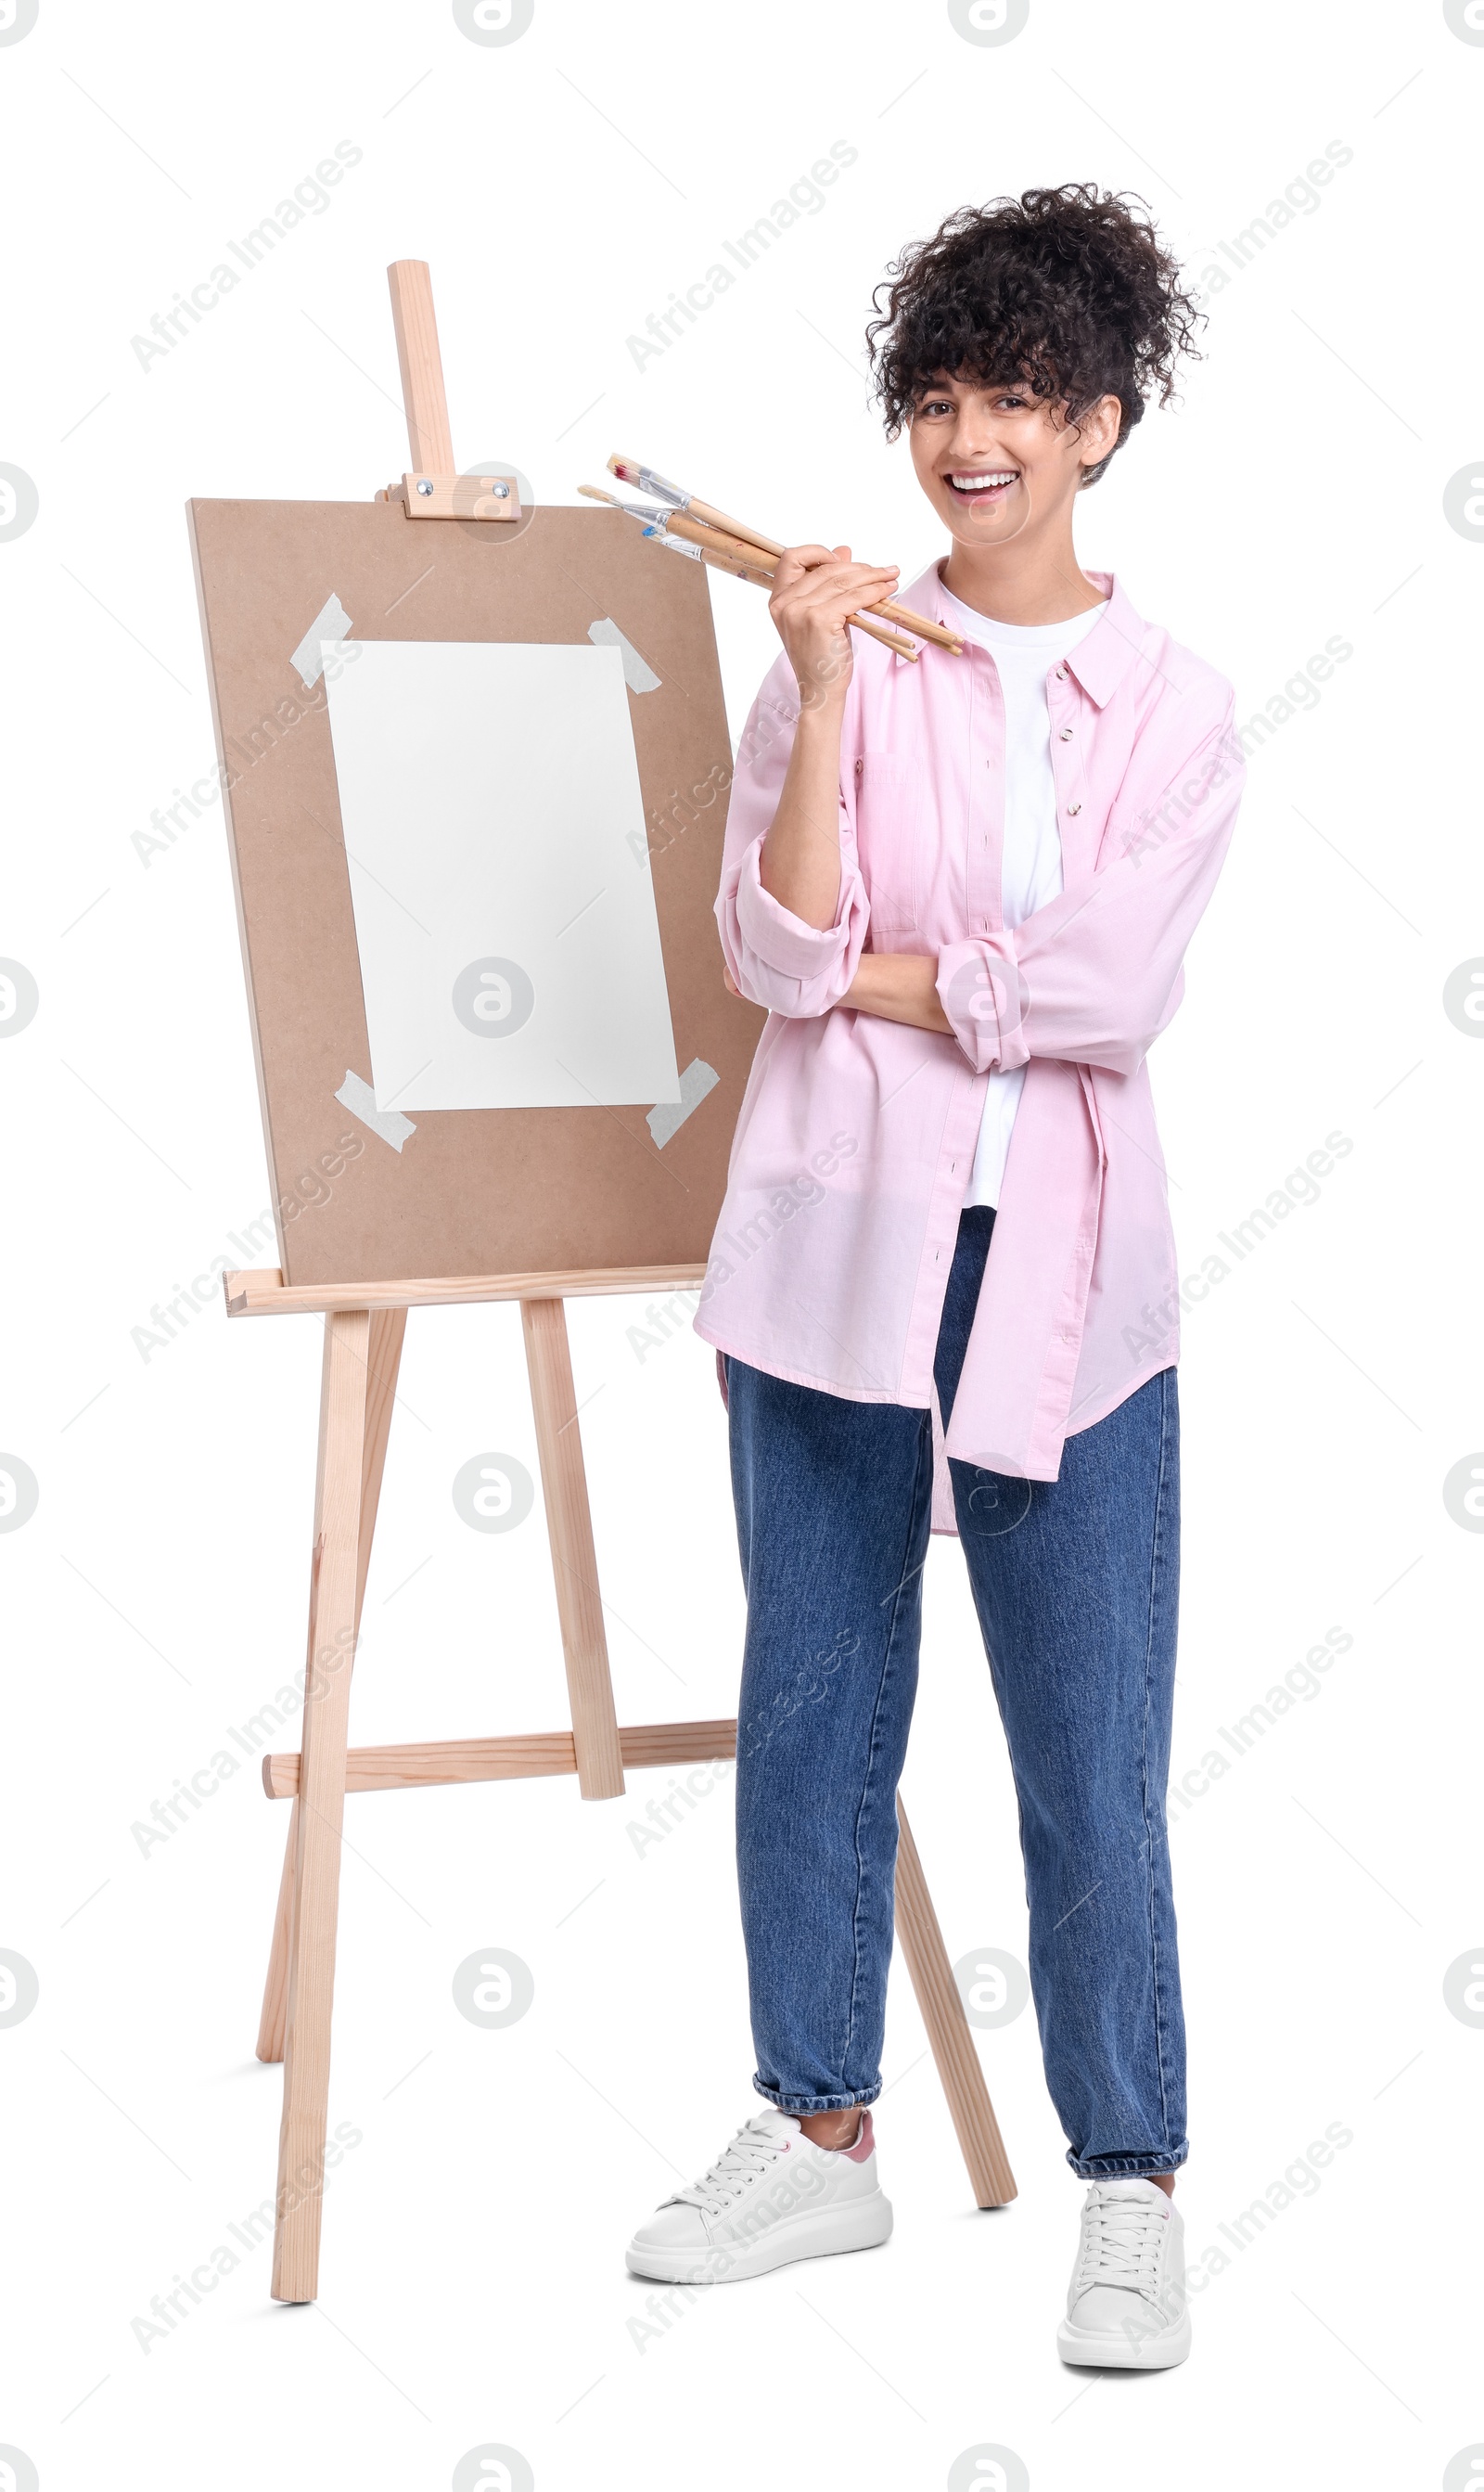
x=1121, y=2242
x=751, y=2152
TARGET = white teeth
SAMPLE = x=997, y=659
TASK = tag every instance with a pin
x=979, y=484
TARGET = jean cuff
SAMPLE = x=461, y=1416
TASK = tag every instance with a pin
x=1135, y=2167
x=804, y=2106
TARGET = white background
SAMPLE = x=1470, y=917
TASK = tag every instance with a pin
x=472, y=2286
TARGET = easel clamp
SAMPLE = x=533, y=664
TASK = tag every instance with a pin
x=426, y=496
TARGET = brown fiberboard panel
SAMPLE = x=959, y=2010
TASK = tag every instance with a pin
x=492, y=1190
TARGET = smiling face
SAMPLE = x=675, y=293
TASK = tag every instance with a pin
x=995, y=462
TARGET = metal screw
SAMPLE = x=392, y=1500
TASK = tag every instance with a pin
x=501, y=490
x=425, y=484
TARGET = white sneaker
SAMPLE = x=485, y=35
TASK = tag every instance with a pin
x=1126, y=2309
x=771, y=2197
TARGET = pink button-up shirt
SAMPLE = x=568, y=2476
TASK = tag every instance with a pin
x=857, y=1136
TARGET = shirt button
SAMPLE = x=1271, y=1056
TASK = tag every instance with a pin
x=1074, y=809
x=1061, y=674
x=1066, y=735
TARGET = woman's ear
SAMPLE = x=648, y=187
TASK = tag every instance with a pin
x=1099, y=429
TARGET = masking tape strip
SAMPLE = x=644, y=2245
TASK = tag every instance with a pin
x=639, y=678
x=331, y=623
x=696, y=1083
x=388, y=1122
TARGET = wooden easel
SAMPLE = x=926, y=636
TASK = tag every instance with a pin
x=364, y=1327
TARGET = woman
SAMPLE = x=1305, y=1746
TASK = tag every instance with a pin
x=962, y=887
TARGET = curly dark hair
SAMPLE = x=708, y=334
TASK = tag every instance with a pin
x=1069, y=290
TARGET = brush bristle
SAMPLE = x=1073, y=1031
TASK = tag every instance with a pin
x=626, y=470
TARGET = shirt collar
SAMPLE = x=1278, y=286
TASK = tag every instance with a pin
x=1099, y=663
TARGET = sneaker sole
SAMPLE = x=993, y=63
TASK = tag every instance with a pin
x=861, y=2224
x=1095, y=2350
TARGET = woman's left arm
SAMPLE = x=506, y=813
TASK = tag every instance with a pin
x=898, y=986
x=1095, y=975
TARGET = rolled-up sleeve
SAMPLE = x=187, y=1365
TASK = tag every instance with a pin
x=776, y=959
x=1094, y=977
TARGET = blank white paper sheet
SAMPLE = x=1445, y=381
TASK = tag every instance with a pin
x=499, y=874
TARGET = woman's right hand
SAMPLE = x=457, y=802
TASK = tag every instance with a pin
x=814, y=593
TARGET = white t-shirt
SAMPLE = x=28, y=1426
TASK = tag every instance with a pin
x=1030, y=873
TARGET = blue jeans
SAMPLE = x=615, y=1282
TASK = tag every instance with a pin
x=1074, y=1580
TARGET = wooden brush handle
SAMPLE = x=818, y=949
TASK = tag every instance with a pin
x=702, y=515
x=736, y=554
x=760, y=578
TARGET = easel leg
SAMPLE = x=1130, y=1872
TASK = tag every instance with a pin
x=339, y=1505
x=383, y=1360
x=269, y=2030
x=574, y=1559
x=948, y=2030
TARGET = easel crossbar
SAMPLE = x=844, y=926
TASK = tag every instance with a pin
x=410, y=1766
x=268, y=1294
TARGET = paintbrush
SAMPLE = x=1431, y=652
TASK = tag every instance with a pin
x=745, y=560
x=630, y=471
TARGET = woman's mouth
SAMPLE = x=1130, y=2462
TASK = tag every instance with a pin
x=981, y=485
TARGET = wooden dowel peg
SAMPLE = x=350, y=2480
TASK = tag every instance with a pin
x=428, y=437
